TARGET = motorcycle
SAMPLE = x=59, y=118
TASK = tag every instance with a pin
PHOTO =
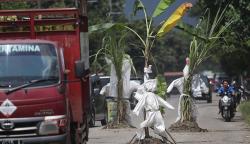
x=227, y=107
x=244, y=94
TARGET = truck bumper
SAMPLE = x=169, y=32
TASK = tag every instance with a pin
x=56, y=139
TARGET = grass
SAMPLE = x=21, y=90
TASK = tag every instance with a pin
x=245, y=110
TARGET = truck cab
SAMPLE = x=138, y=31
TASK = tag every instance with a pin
x=31, y=91
x=44, y=82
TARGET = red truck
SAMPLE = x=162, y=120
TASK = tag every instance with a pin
x=44, y=83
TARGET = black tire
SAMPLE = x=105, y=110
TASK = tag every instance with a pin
x=84, y=133
x=227, y=116
x=104, y=121
x=82, y=137
x=133, y=101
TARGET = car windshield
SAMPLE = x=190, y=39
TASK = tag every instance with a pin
x=22, y=63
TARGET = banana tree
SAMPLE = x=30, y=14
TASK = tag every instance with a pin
x=153, y=33
x=208, y=37
x=113, y=49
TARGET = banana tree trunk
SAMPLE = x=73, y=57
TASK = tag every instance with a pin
x=120, y=104
x=144, y=111
x=187, y=102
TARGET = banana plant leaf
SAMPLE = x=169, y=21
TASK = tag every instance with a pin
x=105, y=26
x=161, y=7
x=173, y=19
x=189, y=29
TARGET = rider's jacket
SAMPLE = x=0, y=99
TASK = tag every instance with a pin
x=228, y=90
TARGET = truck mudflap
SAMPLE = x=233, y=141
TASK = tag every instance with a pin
x=36, y=140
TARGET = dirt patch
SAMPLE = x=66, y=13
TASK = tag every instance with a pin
x=149, y=141
x=186, y=126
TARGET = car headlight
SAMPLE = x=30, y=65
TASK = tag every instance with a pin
x=53, y=125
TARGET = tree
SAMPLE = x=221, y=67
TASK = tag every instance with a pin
x=13, y=5
x=208, y=36
x=168, y=53
x=237, y=36
x=98, y=13
x=148, y=40
x=114, y=51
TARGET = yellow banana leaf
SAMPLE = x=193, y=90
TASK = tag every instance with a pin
x=173, y=19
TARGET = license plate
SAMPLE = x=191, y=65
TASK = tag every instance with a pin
x=9, y=141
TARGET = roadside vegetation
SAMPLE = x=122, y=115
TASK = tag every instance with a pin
x=245, y=110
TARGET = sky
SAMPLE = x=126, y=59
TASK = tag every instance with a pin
x=151, y=4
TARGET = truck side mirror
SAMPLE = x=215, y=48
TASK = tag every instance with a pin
x=79, y=68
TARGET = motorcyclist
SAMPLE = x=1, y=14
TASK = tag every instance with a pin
x=229, y=90
x=235, y=85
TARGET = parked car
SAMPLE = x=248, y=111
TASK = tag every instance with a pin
x=99, y=110
x=201, y=88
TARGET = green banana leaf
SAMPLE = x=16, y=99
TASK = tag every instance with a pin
x=105, y=26
x=189, y=29
x=161, y=7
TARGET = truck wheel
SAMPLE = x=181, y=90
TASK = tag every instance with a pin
x=82, y=137
x=84, y=134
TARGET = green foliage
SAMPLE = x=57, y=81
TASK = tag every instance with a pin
x=98, y=16
x=211, y=29
x=171, y=51
x=36, y=4
x=13, y=5
x=161, y=7
x=161, y=86
x=113, y=49
x=161, y=89
x=245, y=110
x=101, y=27
x=236, y=37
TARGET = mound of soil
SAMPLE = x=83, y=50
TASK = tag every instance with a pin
x=150, y=140
x=186, y=126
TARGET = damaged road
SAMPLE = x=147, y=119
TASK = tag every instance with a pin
x=219, y=132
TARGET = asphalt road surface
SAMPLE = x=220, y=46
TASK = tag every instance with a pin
x=219, y=132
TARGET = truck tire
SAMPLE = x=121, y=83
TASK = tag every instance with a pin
x=82, y=137
x=84, y=133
